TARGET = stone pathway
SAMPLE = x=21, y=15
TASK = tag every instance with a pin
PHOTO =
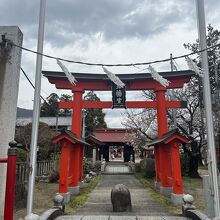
x=81, y=217
x=117, y=169
x=99, y=201
x=99, y=207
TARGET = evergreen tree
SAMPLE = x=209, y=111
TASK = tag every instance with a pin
x=65, y=112
x=50, y=108
x=94, y=118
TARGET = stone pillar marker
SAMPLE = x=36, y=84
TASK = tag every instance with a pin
x=10, y=59
x=93, y=155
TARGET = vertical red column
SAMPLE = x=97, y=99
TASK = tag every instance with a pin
x=164, y=152
x=157, y=159
x=76, y=129
x=64, y=168
x=81, y=163
x=10, y=182
x=176, y=168
x=161, y=112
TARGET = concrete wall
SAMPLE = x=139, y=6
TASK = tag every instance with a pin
x=10, y=74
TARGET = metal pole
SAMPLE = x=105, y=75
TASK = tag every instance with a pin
x=35, y=123
x=207, y=103
x=172, y=94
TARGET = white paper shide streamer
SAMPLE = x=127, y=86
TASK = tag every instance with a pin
x=69, y=75
x=193, y=66
x=164, y=82
x=114, y=78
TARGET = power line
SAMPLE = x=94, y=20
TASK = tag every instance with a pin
x=31, y=82
x=119, y=64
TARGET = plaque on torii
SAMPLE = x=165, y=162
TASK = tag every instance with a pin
x=118, y=96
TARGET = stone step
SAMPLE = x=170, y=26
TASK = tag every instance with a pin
x=112, y=217
x=117, y=169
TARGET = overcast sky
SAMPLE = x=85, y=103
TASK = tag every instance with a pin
x=107, y=31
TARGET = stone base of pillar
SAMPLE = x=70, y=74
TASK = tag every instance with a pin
x=74, y=190
x=166, y=191
x=177, y=199
x=81, y=184
x=157, y=185
x=66, y=197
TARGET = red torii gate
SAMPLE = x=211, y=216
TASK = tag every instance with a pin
x=136, y=81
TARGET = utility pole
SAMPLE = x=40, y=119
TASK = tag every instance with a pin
x=36, y=112
x=212, y=166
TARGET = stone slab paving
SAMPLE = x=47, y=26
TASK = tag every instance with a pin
x=99, y=207
x=81, y=217
x=99, y=201
x=117, y=169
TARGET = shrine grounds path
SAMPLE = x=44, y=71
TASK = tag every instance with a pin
x=99, y=201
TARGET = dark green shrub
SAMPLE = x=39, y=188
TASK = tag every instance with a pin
x=150, y=168
x=87, y=166
x=21, y=155
x=184, y=162
x=137, y=167
x=143, y=164
x=97, y=167
x=147, y=166
x=54, y=176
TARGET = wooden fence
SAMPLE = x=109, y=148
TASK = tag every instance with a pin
x=43, y=168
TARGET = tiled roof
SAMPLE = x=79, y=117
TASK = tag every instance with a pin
x=51, y=121
x=124, y=77
x=113, y=135
x=66, y=133
x=92, y=139
x=166, y=137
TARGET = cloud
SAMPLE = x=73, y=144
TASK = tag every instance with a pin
x=106, y=31
x=71, y=20
x=114, y=19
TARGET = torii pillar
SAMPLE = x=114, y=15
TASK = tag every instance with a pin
x=162, y=154
x=76, y=159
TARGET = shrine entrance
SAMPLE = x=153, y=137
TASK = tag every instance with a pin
x=168, y=172
x=116, y=144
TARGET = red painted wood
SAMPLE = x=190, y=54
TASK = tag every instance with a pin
x=176, y=168
x=77, y=114
x=3, y=160
x=177, y=137
x=81, y=163
x=62, y=137
x=74, y=163
x=129, y=104
x=164, y=151
x=161, y=113
x=157, y=163
x=166, y=170
x=10, y=185
x=104, y=85
x=64, y=167
x=76, y=129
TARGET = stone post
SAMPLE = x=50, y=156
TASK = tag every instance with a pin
x=93, y=155
x=10, y=59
